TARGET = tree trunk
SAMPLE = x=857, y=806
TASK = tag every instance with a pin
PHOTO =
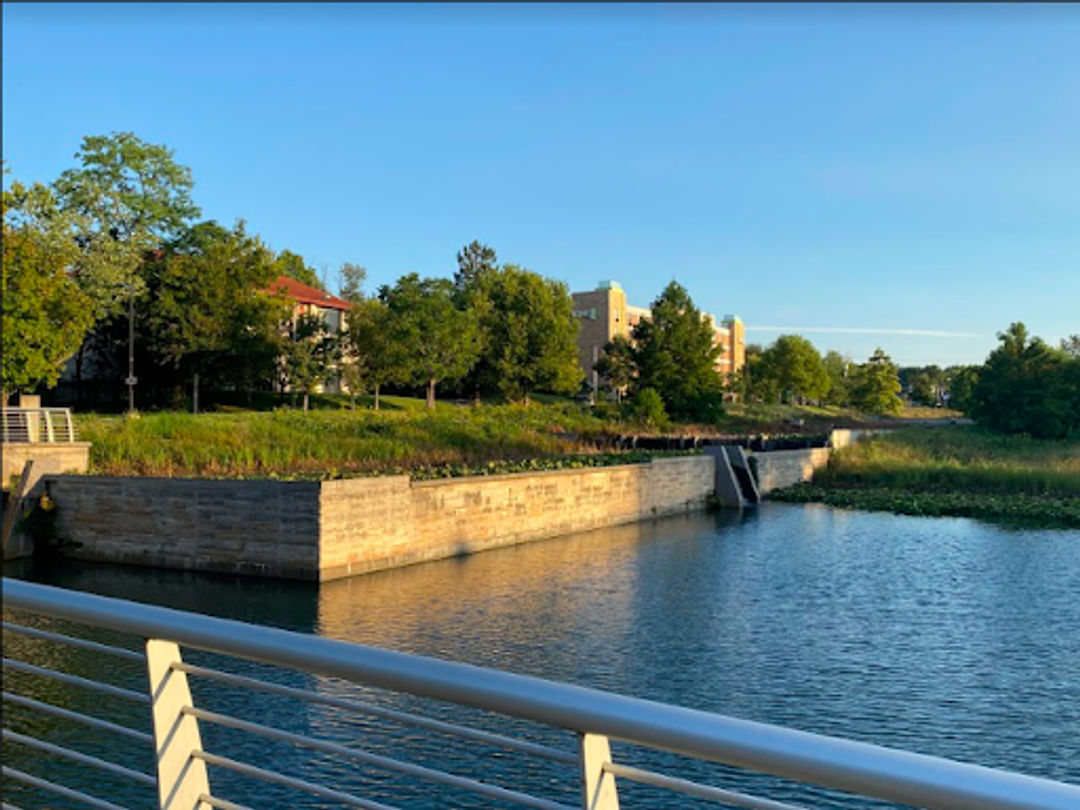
x=305, y=402
x=431, y=393
x=377, y=387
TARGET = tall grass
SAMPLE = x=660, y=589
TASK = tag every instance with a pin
x=961, y=471
x=957, y=458
x=325, y=443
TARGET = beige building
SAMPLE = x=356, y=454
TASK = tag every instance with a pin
x=604, y=314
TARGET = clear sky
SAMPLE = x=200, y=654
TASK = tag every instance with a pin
x=899, y=168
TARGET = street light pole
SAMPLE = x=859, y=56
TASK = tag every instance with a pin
x=131, y=349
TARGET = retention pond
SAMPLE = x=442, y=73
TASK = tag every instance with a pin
x=943, y=636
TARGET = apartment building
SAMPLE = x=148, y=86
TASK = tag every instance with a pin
x=604, y=313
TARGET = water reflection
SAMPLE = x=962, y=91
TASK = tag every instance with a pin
x=946, y=636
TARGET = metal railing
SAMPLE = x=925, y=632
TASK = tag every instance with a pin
x=593, y=779
x=37, y=425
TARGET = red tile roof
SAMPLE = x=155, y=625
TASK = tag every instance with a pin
x=288, y=287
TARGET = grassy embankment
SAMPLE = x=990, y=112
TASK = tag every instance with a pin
x=962, y=471
x=333, y=440
x=327, y=443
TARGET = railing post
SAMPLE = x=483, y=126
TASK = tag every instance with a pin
x=181, y=778
x=49, y=428
x=597, y=785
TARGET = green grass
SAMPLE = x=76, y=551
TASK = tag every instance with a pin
x=330, y=443
x=247, y=439
x=953, y=471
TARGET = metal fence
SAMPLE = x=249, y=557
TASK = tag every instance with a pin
x=183, y=773
x=34, y=425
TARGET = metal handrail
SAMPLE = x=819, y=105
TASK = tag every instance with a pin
x=37, y=425
x=861, y=768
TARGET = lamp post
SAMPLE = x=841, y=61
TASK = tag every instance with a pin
x=131, y=378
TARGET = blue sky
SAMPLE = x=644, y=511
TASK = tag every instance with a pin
x=894, y=168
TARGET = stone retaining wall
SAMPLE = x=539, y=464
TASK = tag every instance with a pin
x=783, y=468
x=330, y=529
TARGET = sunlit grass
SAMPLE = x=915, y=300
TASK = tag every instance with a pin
x=953, y=471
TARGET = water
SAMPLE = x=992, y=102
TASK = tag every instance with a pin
x=944, y=636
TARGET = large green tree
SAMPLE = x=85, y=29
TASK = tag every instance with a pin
x=877, y=385
x=435, y=341
x=529, y=333
x=792, y=369
x=676, y=356
x=130, y=197
x=1026, y=386
x=207, y=311
x=45, y=314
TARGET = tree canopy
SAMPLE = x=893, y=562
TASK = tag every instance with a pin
x=791, y=369
x=45, y=315
x=435, y=340
x=877, y=385
x=529, y=333
x=1027, y=386
x=676, y=356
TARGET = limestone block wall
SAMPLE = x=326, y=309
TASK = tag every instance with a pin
x=369, y=524
x=330, y=529
x=49, y=459
x=783, y=468
x=246, y=527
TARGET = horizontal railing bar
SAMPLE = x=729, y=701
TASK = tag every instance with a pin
x=78, y=717
x=857, y=767
x=290, y=781
x=696, y=789
x=536, y=749
x=223, y=804
x=75, y=680
x=60, y=790
x=86, y=644
x=412, y=769
x=77, y=756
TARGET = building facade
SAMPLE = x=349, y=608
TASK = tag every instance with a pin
x=604, y=314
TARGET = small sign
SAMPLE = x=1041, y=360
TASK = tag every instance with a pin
x=131, y=381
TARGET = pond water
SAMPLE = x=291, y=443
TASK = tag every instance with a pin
x=943, y=636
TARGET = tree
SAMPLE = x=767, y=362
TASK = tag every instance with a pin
x=962, y=383
x=370, y=356
x=293, y=265
x=1071, y=346
x=647, y=408
x=877, y=385
x=210, y=314
x=474, y=260
x=129, y=196
x=435, y=341
x=838, y=368
x=310, y=355
x=529, y=333
x=45, y=315
x=616, y=365
x=353, y=277
x=675, y=355
x=793, y=370
x=1025, y=386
